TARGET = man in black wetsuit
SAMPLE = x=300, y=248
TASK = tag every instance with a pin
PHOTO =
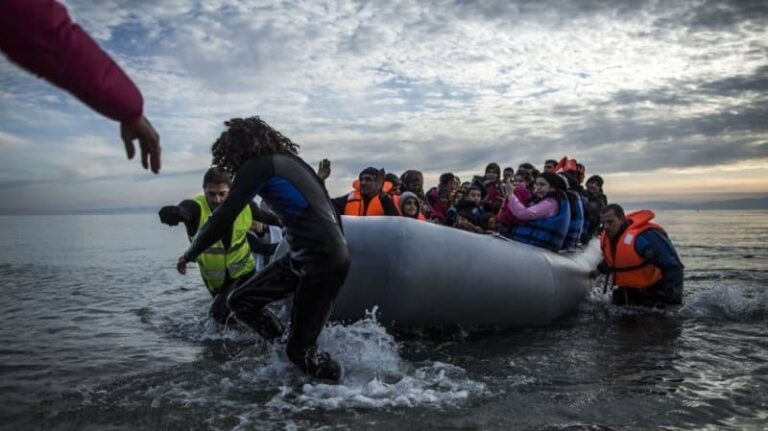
x=229, y=262
x=266, y=163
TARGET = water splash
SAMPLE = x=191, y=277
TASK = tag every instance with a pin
x=720, y=302
x=727, y=302
x=257, y=383
x=376, y=376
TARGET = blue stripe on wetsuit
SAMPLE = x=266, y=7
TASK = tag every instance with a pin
x=283, y=196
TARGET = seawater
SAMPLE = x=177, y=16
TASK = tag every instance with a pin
x=98, y=331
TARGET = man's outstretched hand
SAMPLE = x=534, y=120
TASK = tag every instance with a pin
x=149, y=143
x=324, y=170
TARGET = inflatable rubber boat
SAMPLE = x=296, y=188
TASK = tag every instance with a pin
x=420, y=274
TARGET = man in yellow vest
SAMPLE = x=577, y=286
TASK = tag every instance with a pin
x=227, y=263
x=645, y=266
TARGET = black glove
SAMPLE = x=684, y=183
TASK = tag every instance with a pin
x=171, y=215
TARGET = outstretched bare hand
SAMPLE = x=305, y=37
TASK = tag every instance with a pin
x=324, y=170
x=149, y=143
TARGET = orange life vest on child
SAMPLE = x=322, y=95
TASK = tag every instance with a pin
x=629, y=268
x=356, y=207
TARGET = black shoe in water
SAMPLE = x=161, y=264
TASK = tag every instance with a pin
x=321, y=366
x=265, y=323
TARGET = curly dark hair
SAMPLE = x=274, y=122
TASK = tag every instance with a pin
x=246, y=138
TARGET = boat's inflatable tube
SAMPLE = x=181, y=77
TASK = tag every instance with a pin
x=421, y=275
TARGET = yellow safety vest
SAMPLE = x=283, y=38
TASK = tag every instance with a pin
x=217, y=261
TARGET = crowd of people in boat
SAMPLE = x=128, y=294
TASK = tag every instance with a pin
x=552, y=208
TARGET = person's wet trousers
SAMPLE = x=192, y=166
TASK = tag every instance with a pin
x=314, y=287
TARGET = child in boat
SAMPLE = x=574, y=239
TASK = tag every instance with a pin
x=519, y=187
x=507, y=174
x=472, y=201
x=493, y=195
x=465, y=220
x=439, y=208
x=410, y=206
x=489, y=222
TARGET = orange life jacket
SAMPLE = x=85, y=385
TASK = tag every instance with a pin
x=356, y=207
x=566, y=164
x=629, y=268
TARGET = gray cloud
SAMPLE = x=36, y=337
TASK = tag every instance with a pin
x=668, y=133
x=720, y=15
x=437, y=86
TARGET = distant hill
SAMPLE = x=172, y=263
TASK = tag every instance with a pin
x=102, y=211
x=735, y=204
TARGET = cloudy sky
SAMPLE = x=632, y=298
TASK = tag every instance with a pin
x=665, y=99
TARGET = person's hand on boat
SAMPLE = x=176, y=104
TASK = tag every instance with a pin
x=324, y=170
x=181, y=265
x=149, y=142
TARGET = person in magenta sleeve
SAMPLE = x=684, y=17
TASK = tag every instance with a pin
x=39, y=36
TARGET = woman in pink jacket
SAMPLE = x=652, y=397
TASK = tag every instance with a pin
x=39, y=36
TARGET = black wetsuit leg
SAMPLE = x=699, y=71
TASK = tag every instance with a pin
x=312, y=306
x=251, y=312
x=315, y=287
x=273, y=283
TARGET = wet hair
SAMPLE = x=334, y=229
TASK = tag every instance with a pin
x=246, y=138
x=616, y=208
x=509, y=169
x=216, y=175
x=550, y=162
x=554, y=180
x=493, y=167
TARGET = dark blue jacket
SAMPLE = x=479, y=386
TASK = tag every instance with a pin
x=576, y=224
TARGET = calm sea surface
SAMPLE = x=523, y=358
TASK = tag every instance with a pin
x=98, y=331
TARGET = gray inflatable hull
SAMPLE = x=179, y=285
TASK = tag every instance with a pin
x=421, y=275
